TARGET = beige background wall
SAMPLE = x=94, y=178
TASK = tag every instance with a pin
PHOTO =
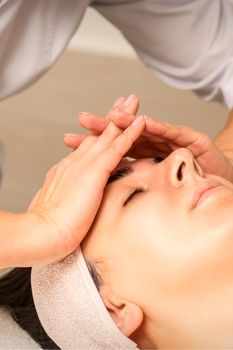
x=84, y=79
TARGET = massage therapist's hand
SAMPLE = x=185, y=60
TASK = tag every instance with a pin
x=160, y=137
x=128, y=109
x=64, y=208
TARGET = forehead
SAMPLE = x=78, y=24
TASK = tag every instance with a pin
x=124, y=162
x=128, y=161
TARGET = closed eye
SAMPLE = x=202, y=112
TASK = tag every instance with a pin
x=123, y=172
x=132, y=195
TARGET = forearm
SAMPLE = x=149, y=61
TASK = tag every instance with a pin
x=14, y=233
x=224, y=139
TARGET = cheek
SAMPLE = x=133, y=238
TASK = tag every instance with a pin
x=145, y=241
x=173, y=252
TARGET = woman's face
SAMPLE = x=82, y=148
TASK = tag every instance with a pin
x=163, y=239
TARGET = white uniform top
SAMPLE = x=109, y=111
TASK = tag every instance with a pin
x=187, y=43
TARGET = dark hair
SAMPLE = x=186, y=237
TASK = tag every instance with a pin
x=16, y=298
x=95, y=275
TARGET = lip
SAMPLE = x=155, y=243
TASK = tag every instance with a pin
x=205, y=189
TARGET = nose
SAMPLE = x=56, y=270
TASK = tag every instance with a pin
x=182, y=167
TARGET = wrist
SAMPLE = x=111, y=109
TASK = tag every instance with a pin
x=23, y=240
x=13, y=229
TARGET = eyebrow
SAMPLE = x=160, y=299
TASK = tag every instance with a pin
x=122, y=172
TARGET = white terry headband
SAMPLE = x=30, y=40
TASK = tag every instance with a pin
x=71, y=310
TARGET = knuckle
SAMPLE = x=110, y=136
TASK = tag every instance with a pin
x=204, y=136
x=205, y=139
x=66, y=161
x=51, y=170
x=87, y=143
x=97, y=147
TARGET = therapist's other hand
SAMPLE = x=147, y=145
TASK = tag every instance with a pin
x=167, y=137
x=65, y=206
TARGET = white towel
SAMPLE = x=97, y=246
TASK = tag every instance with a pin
x=71, y=309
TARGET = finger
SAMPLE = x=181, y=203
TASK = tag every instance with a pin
x=87, y=142
x=129, y=105
x=97, y=124
x=73, y=140
x=123, y=143
x=181, y=136
x=121, y=118
x=118, y=102
x=167, y=131
x=97, y=144
x=149, y=150
x=78, y=152
x=123, y=112
x=93, y=122
x=105, y=140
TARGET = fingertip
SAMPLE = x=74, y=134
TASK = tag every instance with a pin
x=94, y=123
x=86, y=119
x=69, y=135
x=70, y=140
x=128, y=106
x=138, y=120
x=69, y=144
x=147, y=118
x=73, y=140
x=118, y=101
x=130, y=99
x=83, y=115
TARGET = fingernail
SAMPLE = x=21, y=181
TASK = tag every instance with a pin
x=138, y=120
x=129, y=100
x=84, y=114
x=116, y=109
x=119, y=101
x=69, y=135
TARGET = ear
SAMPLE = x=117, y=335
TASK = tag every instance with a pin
x=127, y=315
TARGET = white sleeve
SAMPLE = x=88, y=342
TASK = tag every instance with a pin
x=187, y=43
x=33, y=33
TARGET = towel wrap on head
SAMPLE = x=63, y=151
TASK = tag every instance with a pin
x=71, y=309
